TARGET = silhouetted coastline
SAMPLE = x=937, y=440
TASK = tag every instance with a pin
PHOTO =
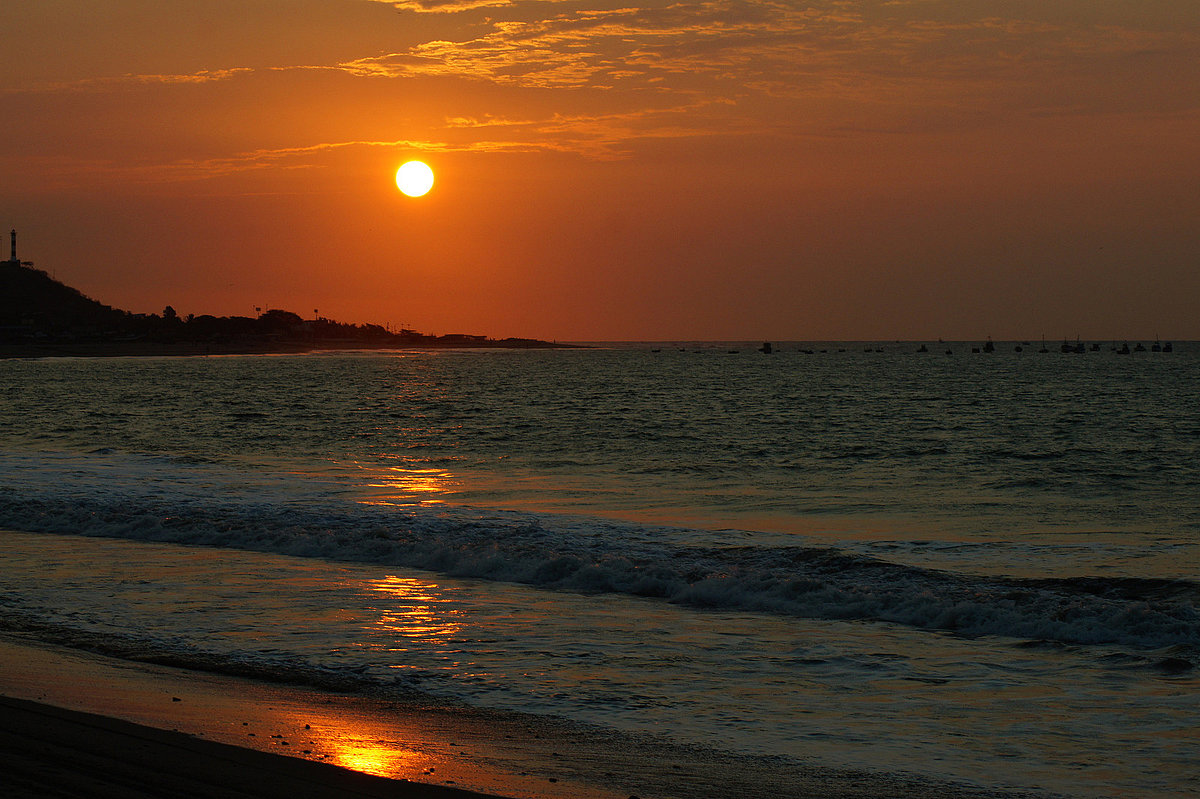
x=41, y=317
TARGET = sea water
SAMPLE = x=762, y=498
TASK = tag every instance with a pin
x=976, y=567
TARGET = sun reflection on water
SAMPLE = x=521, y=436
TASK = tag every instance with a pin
x=406, y=486
x=416, y=610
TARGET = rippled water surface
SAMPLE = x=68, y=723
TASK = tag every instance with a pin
x=981, y=564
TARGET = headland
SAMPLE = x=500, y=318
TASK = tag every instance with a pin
x=40, y=317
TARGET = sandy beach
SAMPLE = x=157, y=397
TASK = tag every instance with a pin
x=48, y=751
x=76, y=724
x=79, y=722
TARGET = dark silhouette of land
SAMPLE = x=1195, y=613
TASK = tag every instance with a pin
x=40, y=316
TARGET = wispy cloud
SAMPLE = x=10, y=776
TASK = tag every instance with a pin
x=596, y=81
x=603, y=136
x=444, y=6
x=120, y=81
x=597, y=136
x=774, y=47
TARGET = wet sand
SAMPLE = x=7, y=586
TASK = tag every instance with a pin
x=77, y=724
x=348, y=737
x=48, y=751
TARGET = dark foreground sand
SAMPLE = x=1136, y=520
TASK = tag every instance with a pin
x=401, y=747
x=77, y=724
x=51, y=752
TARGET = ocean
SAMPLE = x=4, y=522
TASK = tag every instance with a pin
x=973, y=567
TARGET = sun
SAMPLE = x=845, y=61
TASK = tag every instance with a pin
x=414, y=178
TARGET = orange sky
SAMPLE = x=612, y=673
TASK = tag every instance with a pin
x=614, y=170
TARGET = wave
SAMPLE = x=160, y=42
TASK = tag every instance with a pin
x=600, y=556
x=275, y=667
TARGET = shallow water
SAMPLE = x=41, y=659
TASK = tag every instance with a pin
x=977, y=567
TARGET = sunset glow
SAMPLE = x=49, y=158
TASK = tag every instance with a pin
x=660, y=170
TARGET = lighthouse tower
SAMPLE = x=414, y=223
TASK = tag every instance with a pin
x=13, y=259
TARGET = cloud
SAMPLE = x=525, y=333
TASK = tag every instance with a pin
x=597, y=81
x=599, y=48
x=597, y=136
x=444, y=6
x=119, y=81
x=774, y=47
x=601, y=136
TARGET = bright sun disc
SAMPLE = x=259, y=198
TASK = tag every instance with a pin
x=414, y=178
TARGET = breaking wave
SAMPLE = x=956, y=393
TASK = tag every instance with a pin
x=591, y=555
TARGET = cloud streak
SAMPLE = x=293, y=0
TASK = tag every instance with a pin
x=124, y=81
x=776, y=48
x=578, y=77
x=444, y=6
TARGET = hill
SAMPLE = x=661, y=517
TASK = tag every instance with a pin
x=41, y=316
x=31, y=300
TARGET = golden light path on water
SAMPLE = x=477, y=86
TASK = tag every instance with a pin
x=791, y=683
x=403, y=486
x=414, y=611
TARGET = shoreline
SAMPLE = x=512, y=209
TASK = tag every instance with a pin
x=268, y=735
x=399, y=746
x=47, y=750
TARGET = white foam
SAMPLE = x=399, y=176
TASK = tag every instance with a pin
x=155, y=498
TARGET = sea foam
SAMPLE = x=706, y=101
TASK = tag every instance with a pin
x=154, y=498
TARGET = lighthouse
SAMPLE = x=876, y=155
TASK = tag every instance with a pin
x=13, y=234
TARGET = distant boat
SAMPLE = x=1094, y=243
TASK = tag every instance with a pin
x=1043, y=349
x=1168, y=348
x=923, y=348
x=989, y=346
x=1156, y=346
x=765, y=349
x=1124, y=349
x=1018, y=348
x=1139, y=347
